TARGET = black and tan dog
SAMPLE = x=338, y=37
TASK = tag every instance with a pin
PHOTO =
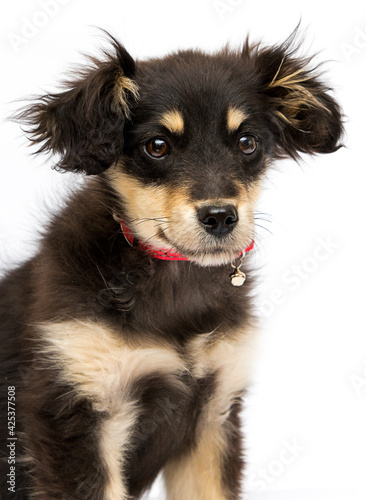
x=125, y=346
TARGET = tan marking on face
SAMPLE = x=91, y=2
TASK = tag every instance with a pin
x=252, y=193
x=173, y=121
x=235, y=118
x=153, y=210
x=167, y=218
x=147, y=207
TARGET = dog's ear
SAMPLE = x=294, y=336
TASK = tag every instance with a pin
x=84, y=124
x=301, y=110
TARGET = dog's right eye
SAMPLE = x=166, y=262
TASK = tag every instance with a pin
x=157, y=148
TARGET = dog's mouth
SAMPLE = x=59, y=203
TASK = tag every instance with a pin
x=207, y=246
x=196, y=246
x=209, y=256
x=206, y=250
x=216, y=238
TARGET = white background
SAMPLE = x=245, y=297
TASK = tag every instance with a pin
x=309, y=388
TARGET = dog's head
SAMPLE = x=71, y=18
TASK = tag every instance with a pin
x=185, y=140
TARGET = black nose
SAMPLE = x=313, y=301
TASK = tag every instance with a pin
x=218, y=221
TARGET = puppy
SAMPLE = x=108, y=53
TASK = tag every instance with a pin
x=127, y=341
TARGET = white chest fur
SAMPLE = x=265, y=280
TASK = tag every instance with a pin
x=101, y=364
x=231, y=358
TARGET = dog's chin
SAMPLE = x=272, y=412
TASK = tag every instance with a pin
x=213, y=259
x=205, y=254
x=209, y=251
x=208, y=257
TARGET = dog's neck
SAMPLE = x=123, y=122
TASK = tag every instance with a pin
x=156, y=253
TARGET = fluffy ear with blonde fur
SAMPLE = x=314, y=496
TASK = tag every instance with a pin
x=84, y=124
x=301, y=110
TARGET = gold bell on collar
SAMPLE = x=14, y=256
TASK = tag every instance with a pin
x=237, y=277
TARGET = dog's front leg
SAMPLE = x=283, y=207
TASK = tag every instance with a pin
x=80, y=417
x=79, y=454
x=211, y=470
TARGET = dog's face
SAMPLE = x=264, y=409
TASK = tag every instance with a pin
x=193, y=157
x=185, y=141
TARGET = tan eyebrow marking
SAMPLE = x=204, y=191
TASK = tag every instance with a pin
x=235, y=118
x=173, y=121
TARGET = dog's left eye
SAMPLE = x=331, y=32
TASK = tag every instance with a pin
x=157, y=148
x=247, y=144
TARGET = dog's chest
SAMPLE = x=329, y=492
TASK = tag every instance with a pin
x=110, y=371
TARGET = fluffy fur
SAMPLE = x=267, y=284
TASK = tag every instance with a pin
x=125, y=365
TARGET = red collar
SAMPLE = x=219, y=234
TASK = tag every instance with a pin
x=160, y=253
